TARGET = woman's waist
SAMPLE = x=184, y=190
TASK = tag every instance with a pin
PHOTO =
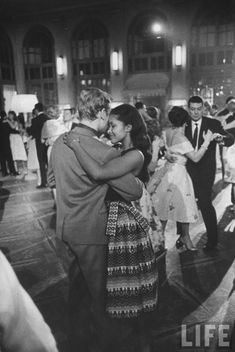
x=177, y=162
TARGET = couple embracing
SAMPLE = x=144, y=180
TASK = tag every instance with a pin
x=112, y=269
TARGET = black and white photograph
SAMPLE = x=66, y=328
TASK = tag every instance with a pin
x=117, y=175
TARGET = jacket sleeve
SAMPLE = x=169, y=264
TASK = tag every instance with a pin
x=228, y=137
x=128, y=186
x=50, y=173
x=33, y=128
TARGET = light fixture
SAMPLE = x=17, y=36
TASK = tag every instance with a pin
x=115, y=61
x=23, y=102
x=178, y=56
x=156, y=28
x=61, y=66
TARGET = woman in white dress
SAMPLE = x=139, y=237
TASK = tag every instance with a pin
x=230, y=170
x=171, y=187
x=17, y=145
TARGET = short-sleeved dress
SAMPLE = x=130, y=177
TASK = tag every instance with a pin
x=171, y=187
x=17, y=147
x=33, y=163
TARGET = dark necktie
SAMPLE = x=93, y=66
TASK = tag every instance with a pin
x=195, y=134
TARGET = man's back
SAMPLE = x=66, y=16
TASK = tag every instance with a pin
x=36, y=127
x=81, y=209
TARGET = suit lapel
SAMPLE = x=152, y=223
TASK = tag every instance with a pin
x=188, y=131
x=202, y=129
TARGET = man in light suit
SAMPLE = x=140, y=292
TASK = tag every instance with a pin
x=81, y=224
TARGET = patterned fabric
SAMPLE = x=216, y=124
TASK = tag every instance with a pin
x=132, y=278
x=230, y=164
x=145, y=207
x=171, y=187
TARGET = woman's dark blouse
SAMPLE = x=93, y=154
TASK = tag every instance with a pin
x=112, y=195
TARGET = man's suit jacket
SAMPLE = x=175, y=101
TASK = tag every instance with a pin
x=5, y=146
x=36, y=126
x=81, y=209
x=203, y=172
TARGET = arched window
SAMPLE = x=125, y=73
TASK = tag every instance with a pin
x=212, y=52
x=90, y=55
x=148, y=46
x=7, y=74
x=39, y=65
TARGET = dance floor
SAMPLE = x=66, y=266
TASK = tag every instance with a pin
x=196, y=292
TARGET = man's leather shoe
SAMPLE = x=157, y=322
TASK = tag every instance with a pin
x=209, y=247
x=15, y=173
x=41, y=186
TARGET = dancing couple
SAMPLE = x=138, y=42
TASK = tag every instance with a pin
x=113, y=261
x=189, y=172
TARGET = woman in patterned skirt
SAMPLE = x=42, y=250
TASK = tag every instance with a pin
x=132, y=277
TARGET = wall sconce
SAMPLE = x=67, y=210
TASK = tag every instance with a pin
x=115, y=61
x=61, y=66
x=178, y=56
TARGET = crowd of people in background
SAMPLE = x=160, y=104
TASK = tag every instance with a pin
x=156, y=172
x=26, y=141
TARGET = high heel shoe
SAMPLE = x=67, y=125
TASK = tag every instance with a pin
x=179, y=244
x=191, y=249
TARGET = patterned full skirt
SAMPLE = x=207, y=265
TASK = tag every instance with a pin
x=132, y=277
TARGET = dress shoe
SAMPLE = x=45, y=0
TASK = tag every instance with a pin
x=16, y=173
x=209, y=247
x=180, y=244
x=41, y=186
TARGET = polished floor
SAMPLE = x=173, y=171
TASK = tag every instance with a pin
x=196, y=296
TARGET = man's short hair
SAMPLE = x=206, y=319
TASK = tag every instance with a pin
x=139, y=105
x=229, y=98
x=195, y=99
x=39, y=107
x=91, y=101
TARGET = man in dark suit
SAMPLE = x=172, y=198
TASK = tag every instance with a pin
x=81, y=224
x=5, y=147
x=203, y=172
x=35, y=130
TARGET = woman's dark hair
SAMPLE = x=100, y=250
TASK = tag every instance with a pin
x=129, y=115
x=2, y=114
x=13, y=114
x=153, y=112
x=178, y=116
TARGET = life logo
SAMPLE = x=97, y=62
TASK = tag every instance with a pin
x=203, y=336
